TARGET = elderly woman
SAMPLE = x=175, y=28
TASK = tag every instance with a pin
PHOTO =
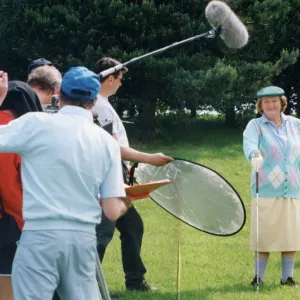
x=272, y=144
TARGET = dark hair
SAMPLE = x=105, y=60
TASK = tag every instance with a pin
x=105, y=63
x=72, y=101
x=21, y=98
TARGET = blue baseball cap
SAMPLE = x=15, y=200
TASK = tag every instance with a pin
x=270, y=91
x=40, y=62
x=81, y=83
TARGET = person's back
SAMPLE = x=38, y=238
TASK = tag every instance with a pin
x=58, y=168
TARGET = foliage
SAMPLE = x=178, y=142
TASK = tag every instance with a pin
x=203, y=72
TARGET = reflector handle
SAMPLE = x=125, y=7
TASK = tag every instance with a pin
x=131, y=174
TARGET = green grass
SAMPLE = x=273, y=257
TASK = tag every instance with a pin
x=211, y=267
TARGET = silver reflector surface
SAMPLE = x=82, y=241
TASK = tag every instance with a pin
x=197, y=196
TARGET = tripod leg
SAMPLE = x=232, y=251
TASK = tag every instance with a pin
x=103, y=289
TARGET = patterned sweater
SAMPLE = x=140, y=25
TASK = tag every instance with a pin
x=280, y=172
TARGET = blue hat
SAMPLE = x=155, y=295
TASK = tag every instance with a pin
x=270, y=91
x=80, y=83
x=40, y=62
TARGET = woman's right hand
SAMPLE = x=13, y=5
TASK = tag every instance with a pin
x=257, y=161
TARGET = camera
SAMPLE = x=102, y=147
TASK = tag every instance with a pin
x=53, y=108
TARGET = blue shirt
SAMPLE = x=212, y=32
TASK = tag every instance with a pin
x=66, y=161
x=279, y=175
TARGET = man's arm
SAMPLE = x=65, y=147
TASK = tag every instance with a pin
x=113, y=208
x=16, y=136
x=130, y=154
x=112, y=192
x=156, y=159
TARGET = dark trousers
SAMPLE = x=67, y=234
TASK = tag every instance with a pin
x=131, y=231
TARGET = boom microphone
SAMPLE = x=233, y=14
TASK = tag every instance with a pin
x=225, y=24
x=232, y=30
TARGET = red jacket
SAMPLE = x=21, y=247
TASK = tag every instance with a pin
x=10, y=179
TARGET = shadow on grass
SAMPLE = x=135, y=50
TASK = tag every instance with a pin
x=235, y=290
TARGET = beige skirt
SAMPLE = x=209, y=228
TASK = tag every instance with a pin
x=278, y=225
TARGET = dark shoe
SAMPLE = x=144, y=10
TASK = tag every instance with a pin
x=141, y=287
x=254, y=281
x=290, y=282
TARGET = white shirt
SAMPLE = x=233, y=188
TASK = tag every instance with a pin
x=107, y=114
x=66, y=161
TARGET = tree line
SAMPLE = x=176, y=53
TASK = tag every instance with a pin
x=204, y=73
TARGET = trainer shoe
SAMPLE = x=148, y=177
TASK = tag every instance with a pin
x=290, y=282
x=254, y=281
x=141, y=287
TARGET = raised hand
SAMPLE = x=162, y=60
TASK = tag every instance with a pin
x=3, y=85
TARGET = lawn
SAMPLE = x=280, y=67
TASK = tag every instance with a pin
x=210, y=267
